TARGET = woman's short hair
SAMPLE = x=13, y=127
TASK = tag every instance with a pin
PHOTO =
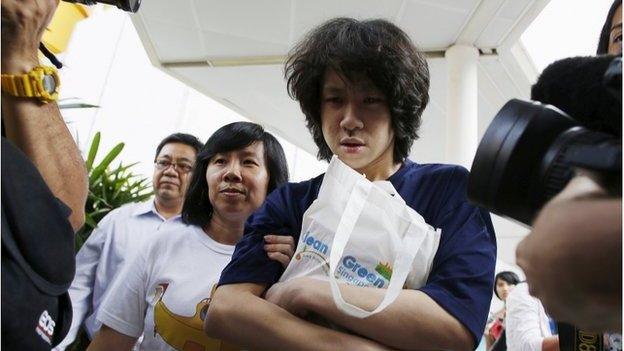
x=509, y=277
x=197, y=208
x=377, y=49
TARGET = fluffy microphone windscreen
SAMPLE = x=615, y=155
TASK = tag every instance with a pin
x=575, y=85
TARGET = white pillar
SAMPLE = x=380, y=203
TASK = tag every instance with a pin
x=461, y=104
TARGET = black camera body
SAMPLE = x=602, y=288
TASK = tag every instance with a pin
x=531, y=150
x=126, y=5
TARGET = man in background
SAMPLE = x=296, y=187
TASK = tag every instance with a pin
x=124, y=230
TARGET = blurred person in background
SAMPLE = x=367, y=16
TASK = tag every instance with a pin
x=610, y=41
x=504, y=282
x=527, y=324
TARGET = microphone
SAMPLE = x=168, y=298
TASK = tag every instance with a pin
x=575, y=85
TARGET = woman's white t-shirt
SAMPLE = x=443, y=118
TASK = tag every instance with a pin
x=165, y=291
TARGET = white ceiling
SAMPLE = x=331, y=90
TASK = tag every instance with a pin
x=233, y=51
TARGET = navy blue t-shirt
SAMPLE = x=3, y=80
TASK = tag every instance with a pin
x=462, y=274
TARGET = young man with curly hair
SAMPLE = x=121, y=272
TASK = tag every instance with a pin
x=362, y=86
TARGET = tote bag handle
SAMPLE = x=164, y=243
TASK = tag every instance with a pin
x=402, y=263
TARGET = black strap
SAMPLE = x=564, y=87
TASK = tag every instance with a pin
x=47, y=53
x=572, y=338
x=64, y=319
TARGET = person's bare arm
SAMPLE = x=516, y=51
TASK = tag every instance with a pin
x=239, y=315
x=413, y=321
x=489, y=340
x=572, y=258
x=38, y=129
x=550, y=343
x=110, y=339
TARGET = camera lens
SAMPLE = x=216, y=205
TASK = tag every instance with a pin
x=524, y=158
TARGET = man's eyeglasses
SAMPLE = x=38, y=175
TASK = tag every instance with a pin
x=180, y=167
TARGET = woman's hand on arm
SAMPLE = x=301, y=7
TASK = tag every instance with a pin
x=280, y=248
x=110, y=339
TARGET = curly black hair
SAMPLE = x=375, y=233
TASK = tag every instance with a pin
x=376, y=49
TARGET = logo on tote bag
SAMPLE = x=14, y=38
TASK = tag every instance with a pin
x=350, y=270
x=315, y=243
x=314, y=249
x=384, y=270
x=355, y=273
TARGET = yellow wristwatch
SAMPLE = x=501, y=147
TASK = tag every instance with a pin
x=42, y=82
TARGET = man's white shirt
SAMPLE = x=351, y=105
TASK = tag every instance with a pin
x=117, y=239
x=526, y=323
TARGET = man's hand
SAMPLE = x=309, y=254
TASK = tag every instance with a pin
x=280, y=248
x=23, y=24
x=572, y=257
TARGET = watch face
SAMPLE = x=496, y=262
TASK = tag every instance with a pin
x=49, y=84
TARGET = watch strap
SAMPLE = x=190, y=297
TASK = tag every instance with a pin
x=31, y=84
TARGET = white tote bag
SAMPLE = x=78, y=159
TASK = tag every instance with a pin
x=362, y=233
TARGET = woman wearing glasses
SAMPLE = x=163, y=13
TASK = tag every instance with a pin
x=165, y=292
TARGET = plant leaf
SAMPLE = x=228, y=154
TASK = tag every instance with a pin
x=109, y=189
x=106, y=161
x=76, y=105
x=95, y=144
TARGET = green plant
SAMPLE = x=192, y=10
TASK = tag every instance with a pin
x=109, y=188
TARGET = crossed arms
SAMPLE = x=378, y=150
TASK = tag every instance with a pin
x=413, y=321
x=449, y=312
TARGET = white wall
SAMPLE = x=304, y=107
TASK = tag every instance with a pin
x=565, y=28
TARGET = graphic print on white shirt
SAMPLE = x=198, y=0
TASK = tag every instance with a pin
x=185, y=333
x=164, y=293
